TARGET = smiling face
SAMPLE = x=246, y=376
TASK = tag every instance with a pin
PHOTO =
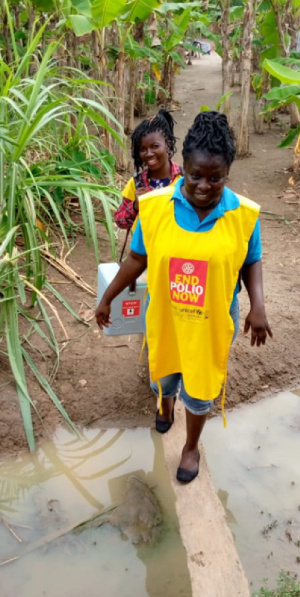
x=204, y=179
x=153, y=152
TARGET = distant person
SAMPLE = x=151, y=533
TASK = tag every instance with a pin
x=195, y=237
x=153, y=145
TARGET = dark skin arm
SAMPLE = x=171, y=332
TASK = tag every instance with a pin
x=129, y=271
x=138, y=192
x=256, y=318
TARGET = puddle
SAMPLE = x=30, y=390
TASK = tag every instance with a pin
x=68, y=481
x=254, y=464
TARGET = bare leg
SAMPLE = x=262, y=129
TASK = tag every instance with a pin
x=190, y=453
x=169, y=387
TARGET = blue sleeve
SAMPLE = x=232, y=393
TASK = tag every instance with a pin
x=254, y=248
x=137, y=241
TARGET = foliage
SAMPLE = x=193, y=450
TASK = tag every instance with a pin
x=97, y=14
x=151, y=87
x=47, y=155
x=287, y=586
x=283, y=73
x=267, y=40
x=257, y=84
x=219, y=104
x=287, y=93
x=222, y=100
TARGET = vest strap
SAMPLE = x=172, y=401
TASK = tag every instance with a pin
x=223, y=400
x=143, y=348
x=160, y=410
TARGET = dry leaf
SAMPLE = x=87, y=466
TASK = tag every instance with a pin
x=87, y=314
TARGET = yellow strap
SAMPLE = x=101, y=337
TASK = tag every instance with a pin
x=159, y=398
x=144, y=335
x=143, y=348
x=223, y=400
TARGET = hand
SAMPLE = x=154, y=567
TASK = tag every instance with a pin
x=138, y=192
x=102, y=314
x=257, y=320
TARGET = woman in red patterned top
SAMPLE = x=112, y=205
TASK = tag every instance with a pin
x=152, y=147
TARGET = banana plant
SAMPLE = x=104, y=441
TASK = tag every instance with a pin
x=96, y=15
x=285, y=94
x=173, y=24
x=277, y=24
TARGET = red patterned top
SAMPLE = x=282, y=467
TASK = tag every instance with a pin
x=126, y=214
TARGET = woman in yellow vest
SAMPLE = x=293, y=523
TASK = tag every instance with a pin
x=195, y=238
x=153, y=145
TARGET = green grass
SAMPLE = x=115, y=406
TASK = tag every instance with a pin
x=48, y=158
x=287, y=586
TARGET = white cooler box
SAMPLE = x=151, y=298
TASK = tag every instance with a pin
x=127, y=308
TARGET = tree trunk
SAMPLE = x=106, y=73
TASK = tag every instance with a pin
x=164, y=84
x=259, y=118
x=131, y=102
x=120, y=87
x=243, y=126
x=17, y=22
x=294, y=116
x=166, y=94
x=120, y=91
x=43, y=38
x=108, y=36
x=277, y=13
x=140, y=103
x=95, y=71
x=136, y=67
x=232, y=73
x=171, y=89
x=6, y=38
x=71, y=45
x=226, y=62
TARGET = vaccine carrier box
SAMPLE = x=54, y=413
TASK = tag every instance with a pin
x=127, y=308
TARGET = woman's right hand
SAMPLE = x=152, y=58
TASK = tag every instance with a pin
x=138, y=192
x=103, y=314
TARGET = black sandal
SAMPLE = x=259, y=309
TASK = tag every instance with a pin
x=164, y=426
x=185, y=476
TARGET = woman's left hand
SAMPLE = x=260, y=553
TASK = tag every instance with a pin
x=257, y=320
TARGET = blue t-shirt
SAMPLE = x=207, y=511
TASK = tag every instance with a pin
x=186, y=217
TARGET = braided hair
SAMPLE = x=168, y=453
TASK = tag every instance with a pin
x=210, y=133
x=162, y=122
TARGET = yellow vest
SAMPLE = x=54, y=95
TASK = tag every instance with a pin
x=191, y=280
x=129, y=193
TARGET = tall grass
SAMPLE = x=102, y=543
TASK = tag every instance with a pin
x=47, y=155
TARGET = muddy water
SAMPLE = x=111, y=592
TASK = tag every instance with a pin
x=254, y=464
x=67, y=481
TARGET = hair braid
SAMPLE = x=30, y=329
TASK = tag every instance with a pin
x=163, y=122
x=210, y=133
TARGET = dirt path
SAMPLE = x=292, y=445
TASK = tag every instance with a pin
x=100, y=380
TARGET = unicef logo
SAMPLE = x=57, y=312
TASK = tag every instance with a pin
x=188, y=268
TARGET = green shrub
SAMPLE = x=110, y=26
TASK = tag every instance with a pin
x=287, y=586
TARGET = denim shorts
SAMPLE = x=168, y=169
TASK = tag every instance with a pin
x=172, y=384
